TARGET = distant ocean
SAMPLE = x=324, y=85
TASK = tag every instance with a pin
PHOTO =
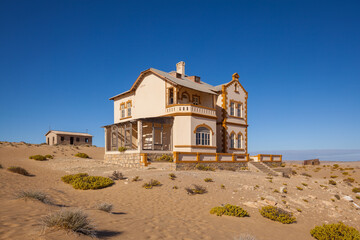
x=323, y=154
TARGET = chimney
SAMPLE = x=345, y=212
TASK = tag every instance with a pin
x=180, y=68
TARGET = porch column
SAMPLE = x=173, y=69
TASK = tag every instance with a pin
x=106, y=143
x=140, y=143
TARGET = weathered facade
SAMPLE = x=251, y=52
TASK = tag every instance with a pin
x=173, y=113
x=67, y=138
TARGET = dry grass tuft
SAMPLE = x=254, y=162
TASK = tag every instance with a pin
x=34, y=195
x=151, y=184
x=208, y=180
x=106, y=207
x=136, y=179
x=19, y=170
x=70, y=220
x=117, y=176
x=196, y=190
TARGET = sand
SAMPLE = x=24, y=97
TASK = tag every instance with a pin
x=164, y=212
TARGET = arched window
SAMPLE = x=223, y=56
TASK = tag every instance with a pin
x=240, y=141
x=202, y=136
x=236, y=88
x=185, y=98
x=232, y=140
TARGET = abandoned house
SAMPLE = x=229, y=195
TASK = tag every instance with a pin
x=68, y=138
x=178, y=115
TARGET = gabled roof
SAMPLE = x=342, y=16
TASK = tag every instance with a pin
x=69, y=133
x=182, y=81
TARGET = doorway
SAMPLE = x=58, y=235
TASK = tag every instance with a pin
x=71, y=140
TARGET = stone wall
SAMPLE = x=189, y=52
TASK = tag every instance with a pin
x=216, y=165
x=273, y=164
x=151, y=157
x=126, y=160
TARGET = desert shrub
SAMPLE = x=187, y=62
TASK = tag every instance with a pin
x=175, y=187
x=277, y=214
x=33, y=195
x=333, y=176
x=117, y=176
x=164, y=158
x=335, y=166
x=151, y=184
x=293, y=172
x=337, y=197
x=332, y=182
x=106, y=207
x=356, y=190
x=222, y=186
x=70, y=220
x=306, y=174
x=122, y=149
x=82, y=155
x=18, y=170
x=84, y=182
x=304, y=184
x=283, y=165
x=196, y=190
x=208, y=180
x=284, y=202
x=305, y=200
x=299, y=188
x=204, y=168
x=38, y=157
x=349, y=180
x=136, y=179
x=1, y=166
x=299, y=210
x=245, y=237
x=230, y=210
x=172, y=176
x=336, y=231
x=48, y=156
x=358, y=197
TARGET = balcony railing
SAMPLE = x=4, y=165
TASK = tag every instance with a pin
x=190, y=108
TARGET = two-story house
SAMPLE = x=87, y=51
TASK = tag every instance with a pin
x=166, y=113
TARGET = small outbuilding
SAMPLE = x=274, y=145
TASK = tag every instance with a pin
x=312, y=162
x=67, y=138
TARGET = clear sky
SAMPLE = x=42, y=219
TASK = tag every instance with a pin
x=60, y=61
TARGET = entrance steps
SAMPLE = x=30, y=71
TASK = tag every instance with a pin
x=264, y=168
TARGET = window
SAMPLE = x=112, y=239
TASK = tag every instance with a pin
x=202, y=136
x=240, y=141
x=78, y=139
x=86, y=140
x=122, y=108
x=129, y=109
x=238, y=110
x=232, y=140
x=62, y=139
x=185, y=98
x=236, y=88
x=196, y=100
x=47, y=141
x=53, y=140
x=232, y=104
x=171, y=96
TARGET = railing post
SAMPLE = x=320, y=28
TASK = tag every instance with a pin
x=233, y=157
x=280, y=158
x=216, y=157
x=198, y=157
x=271, y=158
x=176, y=156
x=247, y=157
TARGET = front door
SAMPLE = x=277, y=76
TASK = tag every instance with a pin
x=71, y=140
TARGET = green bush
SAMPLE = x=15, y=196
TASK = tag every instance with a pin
x=172, y=176
x=164, y=158
x=277, y=214
x=208, y=180
x=299, y=188
x=84, y=182
x=356, y=190
x=336, y=231
x=204, y=168
x=332, y=182
x=48, y=156
x=230, y=210
x=333, y=176
x=38, y=157
x=349, y=180
x=151, y=184
x=19, y=170
x=122, y=149
x=82, y=155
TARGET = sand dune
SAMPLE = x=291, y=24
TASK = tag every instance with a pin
x=164, y=212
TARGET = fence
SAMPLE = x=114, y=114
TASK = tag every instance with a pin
x=200, y=157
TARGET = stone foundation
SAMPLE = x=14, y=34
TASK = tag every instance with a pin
x=273, y=164
x=151, y=157
x=216, y=165
x=126, y=160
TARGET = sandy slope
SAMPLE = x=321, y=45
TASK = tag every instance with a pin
x=163, y=212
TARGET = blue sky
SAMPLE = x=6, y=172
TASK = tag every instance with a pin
x=60, y=61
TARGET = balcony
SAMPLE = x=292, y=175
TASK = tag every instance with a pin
x=190, y=109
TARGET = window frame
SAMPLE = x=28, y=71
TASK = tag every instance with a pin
x=202, y=136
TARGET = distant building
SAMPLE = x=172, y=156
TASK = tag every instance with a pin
x=312, y=162
x=68, y=138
